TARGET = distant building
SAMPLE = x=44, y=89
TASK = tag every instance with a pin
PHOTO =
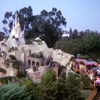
x=65, y=34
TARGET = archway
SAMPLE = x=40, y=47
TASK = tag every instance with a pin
x=37, y=64
x=33, y=63
x=29, y=63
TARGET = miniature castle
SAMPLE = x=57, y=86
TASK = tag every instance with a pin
x=15, y=45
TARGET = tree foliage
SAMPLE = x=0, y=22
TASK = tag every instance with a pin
x=70, y=46
x=92, y=42
x=64, y=88
x=26, y=17
x=12, y=91
x=84, y=43
x=73, y=87
x=48, y=78
x=46, y=25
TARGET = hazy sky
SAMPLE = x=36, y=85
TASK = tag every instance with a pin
x=79, y=14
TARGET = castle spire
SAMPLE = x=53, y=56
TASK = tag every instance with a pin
x=16, y=18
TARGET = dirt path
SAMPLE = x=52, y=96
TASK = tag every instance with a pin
x=93, y=92
x=91, y=96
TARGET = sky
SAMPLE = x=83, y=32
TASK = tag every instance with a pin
x=79, y=14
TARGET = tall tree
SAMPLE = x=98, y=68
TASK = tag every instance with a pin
x=26, y=17
x=7, y=20
x=92, y=42
x=81, y=34
x=75, y=34
x=47, y=25
x=70, y=31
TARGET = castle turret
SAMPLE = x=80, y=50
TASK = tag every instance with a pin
x=16, y=33
x=16, y=18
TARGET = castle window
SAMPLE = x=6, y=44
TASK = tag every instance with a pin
x=29, y=63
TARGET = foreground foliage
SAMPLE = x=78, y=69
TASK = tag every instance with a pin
x=12, y=91
x=64, y=88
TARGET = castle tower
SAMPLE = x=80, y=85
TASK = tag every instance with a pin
x=16, y=18
x=16, y=33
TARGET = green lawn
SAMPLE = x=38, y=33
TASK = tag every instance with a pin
x=85, y=94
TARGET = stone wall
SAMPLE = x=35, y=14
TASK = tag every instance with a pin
x=35, y=76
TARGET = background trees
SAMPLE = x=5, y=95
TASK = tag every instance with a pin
x=7, y=20
x=85, y=43
x=46, y=25
x=25, y=17
x=92, y=43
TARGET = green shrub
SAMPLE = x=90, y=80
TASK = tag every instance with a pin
x=12, y=57
x=9, y=50
x=39, y=43
x=3, y=70
x=37, y=40
x=40, y=55
x=12, y=49
x=6, y=63
x=5, y=79
x=17, y=63
x=28, y=41
x=48, y=78
x=84, y=80
x=12, y=91
x=16, y=48
x=21, y=73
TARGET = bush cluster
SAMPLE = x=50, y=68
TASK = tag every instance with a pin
x=5, y=80
x=40, y=55
x=28, y=41
x=3, y=70
x=88, y=44
x=37, y=40
x=12, y=49
x=12, y=57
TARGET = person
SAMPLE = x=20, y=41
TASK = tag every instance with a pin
x=98, y=71
x=98, y=79
x=34, y=68
x=78, y=56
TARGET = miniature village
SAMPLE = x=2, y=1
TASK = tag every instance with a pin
x=36, y=57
